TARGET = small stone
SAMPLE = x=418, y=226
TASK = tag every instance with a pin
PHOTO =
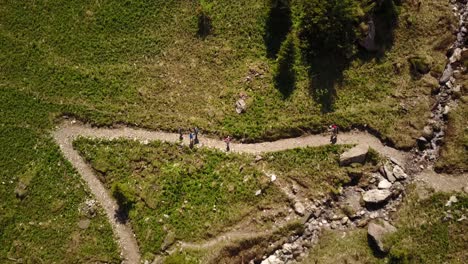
x=446, y=110
x=399, y=173
x=273, y=178
x=299, y=208
x=84, y=223
x=384, y=184
x=258, y=158
x=344, y=220
x=453, y=199
x=428, y=132
x=241, y=106
x=258, y=192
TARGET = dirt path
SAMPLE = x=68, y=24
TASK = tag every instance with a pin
x=67, y=132
x=443, y=182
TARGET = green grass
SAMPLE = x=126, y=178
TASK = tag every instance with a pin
x=454, y=153
x=422, y=236
x=42, y=227
x=142, y=63
x=202, y=191
x=342, y=247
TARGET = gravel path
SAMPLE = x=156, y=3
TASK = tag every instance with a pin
x=67, y=132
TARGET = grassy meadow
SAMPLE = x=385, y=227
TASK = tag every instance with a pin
x=143, y=63
x=175, y=193
x=42, y=195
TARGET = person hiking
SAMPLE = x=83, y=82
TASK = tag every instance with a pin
x=181, y=136
x=227, y=140
x=191, y=139
x=334, y=133
x=195, y=132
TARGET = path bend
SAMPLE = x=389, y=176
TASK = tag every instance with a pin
x=67, y=132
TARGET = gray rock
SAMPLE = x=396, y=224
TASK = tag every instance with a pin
x=344, y=220
x=272, y=260
x=389, y=173
x=385, y=184
x=446, y=110
x=453, y=199
x=376, y=231
x=428, y=132
x=446, y=75
x=299, y=208
x=355, y=155
x=84, y=223
x=21, y=190
x=456, y=56
x=376, y=196
x=399, y=173
x=241, y=106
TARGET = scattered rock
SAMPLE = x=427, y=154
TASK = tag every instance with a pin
x=258, y=192
x=399, y=173
x=344, y=220
x=384, y=184
x=241, y=106
x=299, y=208
x=84, y=223
x=453, y=199
x=88, y=208
x=446, y=75
x=21, y=190
x=389, y=173
x=376, y=231
x=272, y=260
x=376, y=196
x=456, y=56
x=422, y=143
x=397, y=189
x=428, y=132
x=258, y=158
x=354, y=155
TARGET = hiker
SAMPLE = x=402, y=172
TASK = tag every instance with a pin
x=195, y=131
x=181, y=136
x=191, y=139
x=227, y=140
x=334, y=133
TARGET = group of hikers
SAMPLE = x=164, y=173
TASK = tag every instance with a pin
x=193, y=136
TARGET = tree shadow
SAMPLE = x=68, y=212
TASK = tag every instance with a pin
x=277, y=26
x=324, y=74
x=285, y=74
x=328, y=62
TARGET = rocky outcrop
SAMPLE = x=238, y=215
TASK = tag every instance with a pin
x=356, y=154
x=376, y=231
